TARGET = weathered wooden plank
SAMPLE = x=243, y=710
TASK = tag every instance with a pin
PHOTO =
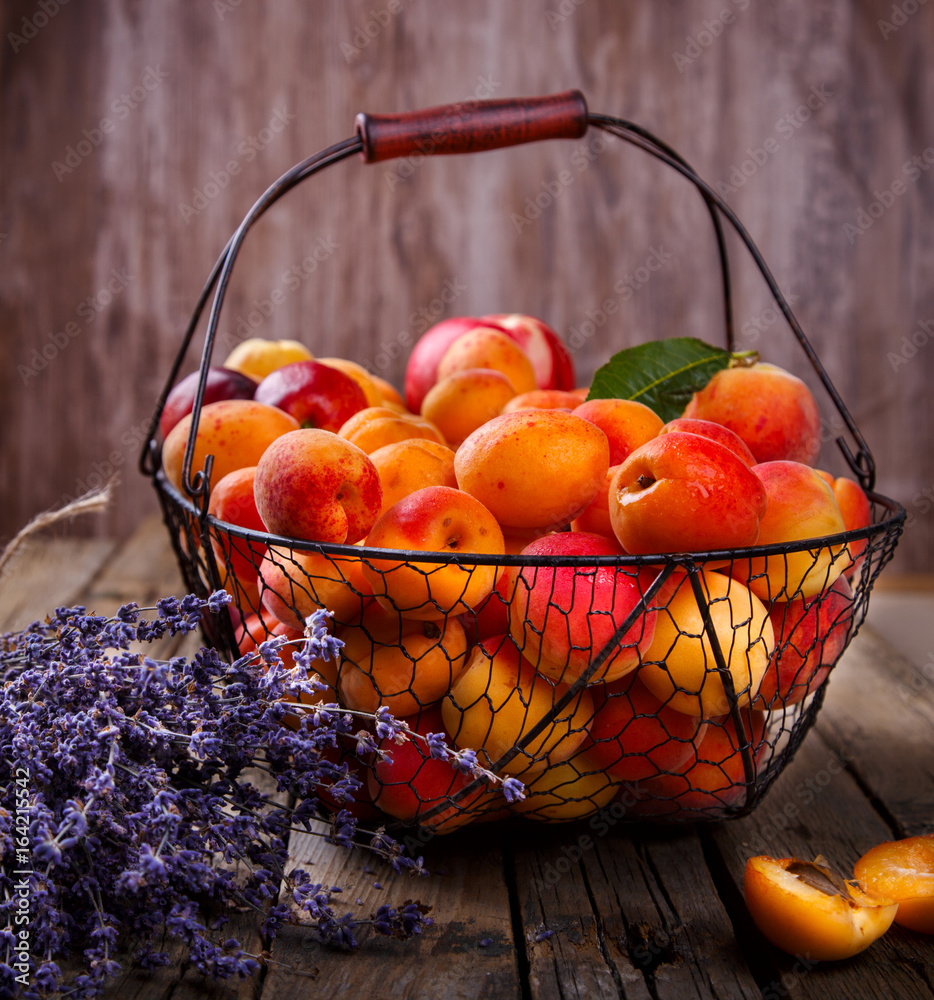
x=46, y=573
x=633, y=914
x=879, y=716
x=468, y=952
x=816, y=807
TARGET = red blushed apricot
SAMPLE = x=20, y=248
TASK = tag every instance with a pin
x=810, y=635
x=434, y=519
x=571, y=790
x=500, y=698
x=633, y=736
x=685, y=493
x=805, y=908
x=371, y=389
x=903, y=870
x=232, y=502
x=534, y=468
x=627, y=424
x=400, y=663
x=772, y=410
x=716, y=432
x=857, y=513
x=406, y=781
x=713, y=779
x=562, y=618
x=235, y=431
x=312, y=484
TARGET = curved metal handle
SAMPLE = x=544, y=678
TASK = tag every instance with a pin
x=472, y=126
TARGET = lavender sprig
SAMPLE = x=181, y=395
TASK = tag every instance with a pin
x=122, y=777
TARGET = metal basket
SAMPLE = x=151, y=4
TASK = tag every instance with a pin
x=581, y=744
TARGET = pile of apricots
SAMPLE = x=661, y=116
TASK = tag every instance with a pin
x=591, y=680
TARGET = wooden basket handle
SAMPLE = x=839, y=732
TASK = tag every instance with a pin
x=472, y=126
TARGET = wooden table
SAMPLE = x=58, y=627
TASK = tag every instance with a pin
x=540, y=912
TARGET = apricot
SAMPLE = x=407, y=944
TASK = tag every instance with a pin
x=634, y=736
x=571, y=790
x=627, y=424
x=460, y=403
x=713, y=778
x=487, y=347
x=294, y=584
x=401, y=663
x=377, y=426
x=232, y=502
x=421, y=370
x=595, y=517
x=235, y=431
x=800, y=506
x=257, y=357
x=773, y=411
x=563, y=617
x=406, y=781
x=434, y=519
x=805, y=908
x=810, y=635
x=534, y=468
x=543, y=399
x=716, y=432
x=903, y=870
x=411, y=465
x=856, y=512
x=679, y=666
x=500, y=698
x=389, y=394
x=683, y=492
x=551, y=361
x=312, y=484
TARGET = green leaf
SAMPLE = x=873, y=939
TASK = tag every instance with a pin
x=663, y=374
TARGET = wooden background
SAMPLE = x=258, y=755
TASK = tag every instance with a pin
x=121, y=121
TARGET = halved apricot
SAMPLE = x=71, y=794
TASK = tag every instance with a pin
x=805, y=908
x=904, y=871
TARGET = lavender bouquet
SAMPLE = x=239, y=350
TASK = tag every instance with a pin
x=123, y=778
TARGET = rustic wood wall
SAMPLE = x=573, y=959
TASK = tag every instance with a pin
x=135, y=135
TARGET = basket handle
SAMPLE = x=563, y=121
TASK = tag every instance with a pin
x=472, y=126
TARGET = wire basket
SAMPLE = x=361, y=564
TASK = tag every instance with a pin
x=587, y=705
